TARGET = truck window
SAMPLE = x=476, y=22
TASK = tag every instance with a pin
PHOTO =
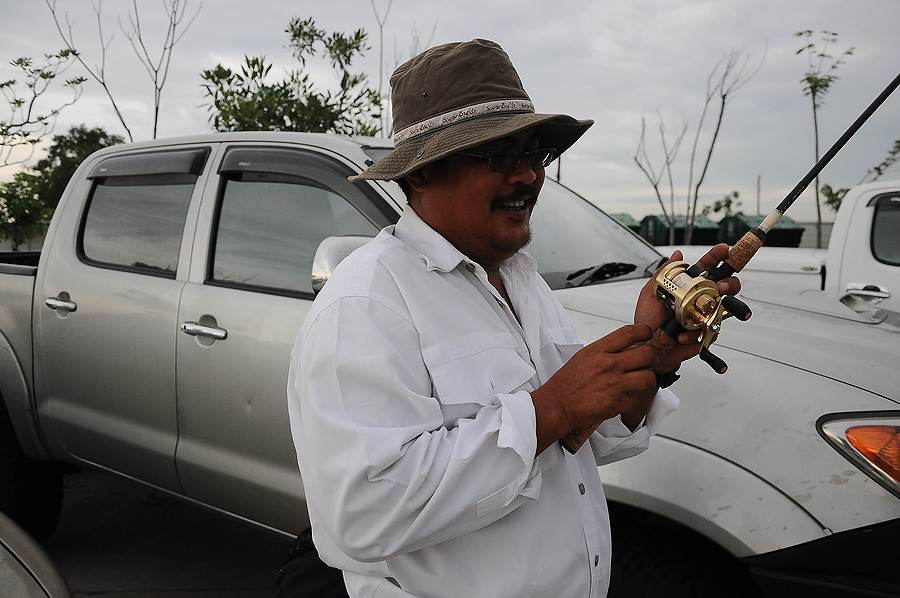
x=137, y=208
x=886, y=223
x=136, y=222
x=269, y=227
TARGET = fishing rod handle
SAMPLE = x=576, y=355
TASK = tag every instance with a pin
x=739, y=255
x=663, y=340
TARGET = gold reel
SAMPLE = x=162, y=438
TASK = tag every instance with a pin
x=698, y=305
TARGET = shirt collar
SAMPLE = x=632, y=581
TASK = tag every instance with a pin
x=438, y=252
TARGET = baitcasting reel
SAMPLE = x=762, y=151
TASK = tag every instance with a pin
x=698, y=305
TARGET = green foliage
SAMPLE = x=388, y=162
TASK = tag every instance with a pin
x=821, y=66
x=729, y=205
x=67, y=152
x=875, y=173
x=27, y=123
x=32, y=196
x=246, y=100
x=833, y=197
x=21, y=211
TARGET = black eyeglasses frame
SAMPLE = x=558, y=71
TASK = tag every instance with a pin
x=544, y=156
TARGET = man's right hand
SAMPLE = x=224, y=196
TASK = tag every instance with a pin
x=611, y=376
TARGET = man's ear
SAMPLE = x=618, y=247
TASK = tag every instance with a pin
x=417, y=180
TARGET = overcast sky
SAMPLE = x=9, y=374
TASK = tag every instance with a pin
x=615, y=61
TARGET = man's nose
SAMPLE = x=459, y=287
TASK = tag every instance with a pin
x=523, y=173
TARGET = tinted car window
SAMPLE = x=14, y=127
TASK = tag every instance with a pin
x=136, y=223
x=270, y=226
x=885, y=240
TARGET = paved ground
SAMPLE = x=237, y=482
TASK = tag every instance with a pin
x=118, y=539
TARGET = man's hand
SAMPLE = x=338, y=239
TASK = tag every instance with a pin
x=651, y=312
x=611, y=376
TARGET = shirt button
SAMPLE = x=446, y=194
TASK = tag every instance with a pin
x=596, y=559
x=470, y=267
x=581, y=488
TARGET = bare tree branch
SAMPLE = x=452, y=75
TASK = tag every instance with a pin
x=157, y=70
x=733, y=76
x=642, y=159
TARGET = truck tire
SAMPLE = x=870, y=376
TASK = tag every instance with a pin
x=30, y=491
x=653, y=557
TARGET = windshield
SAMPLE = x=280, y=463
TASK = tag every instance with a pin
x=576, y=243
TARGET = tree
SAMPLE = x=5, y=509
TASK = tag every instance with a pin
x=157, y=69
x=642, y=159
x=729, y=205
x=876, y=172
x=816, y=83
x=244, y=100
x=722, y=84
x=727, y=76
x=27, y=123
x=834, y=197
x=52, y=173
x=21, y=212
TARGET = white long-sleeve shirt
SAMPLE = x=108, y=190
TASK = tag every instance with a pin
x=415, y=431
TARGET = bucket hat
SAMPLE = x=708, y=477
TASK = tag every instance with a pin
x=459, y=95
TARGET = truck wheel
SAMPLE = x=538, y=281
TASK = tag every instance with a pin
x=30, y=491
x=652, y=557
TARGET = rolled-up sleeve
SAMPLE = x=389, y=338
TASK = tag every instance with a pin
x=614, y=441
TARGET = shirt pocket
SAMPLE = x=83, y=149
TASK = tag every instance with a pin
x=468, y=371
x=558, y=345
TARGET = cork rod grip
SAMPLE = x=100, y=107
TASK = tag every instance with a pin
x=573, y=440
x=745, y=249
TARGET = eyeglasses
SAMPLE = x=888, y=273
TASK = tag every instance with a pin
x=507, y=161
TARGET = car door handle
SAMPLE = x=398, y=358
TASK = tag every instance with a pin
x=871, y=293
x=57, y=304
x=195, y=329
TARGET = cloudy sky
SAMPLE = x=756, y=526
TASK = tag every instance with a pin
x=616, y=61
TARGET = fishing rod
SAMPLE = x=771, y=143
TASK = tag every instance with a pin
x=691, y=291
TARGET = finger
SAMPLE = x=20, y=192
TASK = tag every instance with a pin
x=624, y=337
x=712, y=257
x=676, y=256
x=729, y=286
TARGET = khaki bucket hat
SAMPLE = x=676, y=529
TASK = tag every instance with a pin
x=457, y=96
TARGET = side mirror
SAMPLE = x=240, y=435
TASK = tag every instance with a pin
x=329, y=254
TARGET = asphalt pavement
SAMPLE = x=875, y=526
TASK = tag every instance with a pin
x=117, y=538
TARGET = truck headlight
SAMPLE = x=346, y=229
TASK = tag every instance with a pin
x=869, y=440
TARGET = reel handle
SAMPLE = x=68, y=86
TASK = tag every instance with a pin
x=736, y=307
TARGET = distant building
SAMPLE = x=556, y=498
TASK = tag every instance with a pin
x=655, y=229
x=628, y=221
x=786, y=233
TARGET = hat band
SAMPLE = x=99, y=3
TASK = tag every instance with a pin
x=461, y=114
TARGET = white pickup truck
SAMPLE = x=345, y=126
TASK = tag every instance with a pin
x=151, y=338
x=862, y=259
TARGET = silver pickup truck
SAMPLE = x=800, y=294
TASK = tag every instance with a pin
x=151, y=336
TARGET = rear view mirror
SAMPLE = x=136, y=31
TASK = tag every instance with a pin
x=329, y=254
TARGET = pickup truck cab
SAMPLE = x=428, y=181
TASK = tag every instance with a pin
x=862, y=261
x=151, y=338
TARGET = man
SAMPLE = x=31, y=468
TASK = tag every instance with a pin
x=436, y=371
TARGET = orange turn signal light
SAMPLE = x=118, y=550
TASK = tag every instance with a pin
x=878, y=444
